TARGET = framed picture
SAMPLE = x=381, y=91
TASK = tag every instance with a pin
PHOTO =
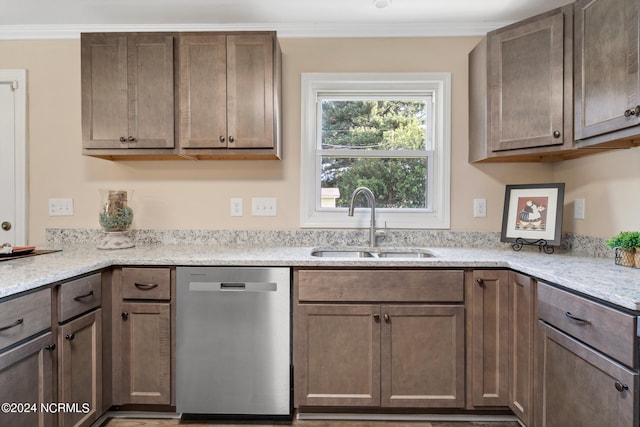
x=533, y=212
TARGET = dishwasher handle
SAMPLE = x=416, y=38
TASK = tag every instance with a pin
x=233, y=286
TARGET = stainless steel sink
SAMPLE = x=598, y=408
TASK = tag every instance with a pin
x=419, y=253
x=337, y=253
x=374, y=253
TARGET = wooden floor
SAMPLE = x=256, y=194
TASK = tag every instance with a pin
x=121, y=422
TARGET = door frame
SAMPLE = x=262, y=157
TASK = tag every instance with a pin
x=18, y=78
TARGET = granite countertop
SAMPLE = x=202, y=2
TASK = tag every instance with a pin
x=596, y=277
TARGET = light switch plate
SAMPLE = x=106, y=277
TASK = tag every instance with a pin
x=263, y=206
x=479, y=208
x=578, y=209
x=236, y=206
x=60, y=207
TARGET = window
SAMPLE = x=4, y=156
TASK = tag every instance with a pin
x=388, y=132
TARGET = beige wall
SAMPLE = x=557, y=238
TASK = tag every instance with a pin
x=195, y=195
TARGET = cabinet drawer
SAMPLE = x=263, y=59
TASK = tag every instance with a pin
x=606, y=329
x=79, y=296
x=24, y=316
x=146, y=283
x=381, y=285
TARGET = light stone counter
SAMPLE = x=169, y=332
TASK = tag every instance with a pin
x=595, y=277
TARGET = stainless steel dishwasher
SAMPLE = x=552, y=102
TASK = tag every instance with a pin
x=233, y=342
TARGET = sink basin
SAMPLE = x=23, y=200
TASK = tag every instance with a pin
x=406, y=254
x=373, y=253
x=347, y=253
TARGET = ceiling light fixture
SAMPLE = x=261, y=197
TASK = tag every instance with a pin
x=381, y=4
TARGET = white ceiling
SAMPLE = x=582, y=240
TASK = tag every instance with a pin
x=291, y=18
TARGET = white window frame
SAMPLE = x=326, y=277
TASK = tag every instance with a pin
x=438, y=214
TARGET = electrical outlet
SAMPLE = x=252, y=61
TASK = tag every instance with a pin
x=263, y=206
x=578, y=208
x=236, y=206
x=60, y=207
x=479, y=208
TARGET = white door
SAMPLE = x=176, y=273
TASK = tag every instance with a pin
x=13, y=174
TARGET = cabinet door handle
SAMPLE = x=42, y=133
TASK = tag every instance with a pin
x=79, y=297
x=132, y=139
x=123, y=139
x=69, y=337
x=125, y=315
x=556, y=134
x=50, y=347
x=146, y=286
x=628, y=113
x=577, y=319
x=222, y=139
x=13, y=325
x=376, y=317
x=387, y=318
x=231, y=139
x=480, y=282
x=621, y=387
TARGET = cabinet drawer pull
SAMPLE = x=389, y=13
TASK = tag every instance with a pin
x=79, y=297
x=146, y=286
x=125, y=315
x=70, y=337
x=577, y=319
x=13, y=325
x=621, y=387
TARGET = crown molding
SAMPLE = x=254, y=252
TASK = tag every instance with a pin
x=311, y=30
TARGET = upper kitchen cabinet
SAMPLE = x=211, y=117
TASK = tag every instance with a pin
x=607, y=90
x=521, y=91
x=229, y=95
x=127, y=94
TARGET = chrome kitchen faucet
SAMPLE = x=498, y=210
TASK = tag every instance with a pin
x=371, y=199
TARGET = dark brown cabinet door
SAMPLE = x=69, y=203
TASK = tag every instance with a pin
x=80, y=369
x=606, y=72
x=227, y=92
x=127, y=91
x=26, y=377
x=422, y=356
x=488, y=298
x=526, y=81
x=581, y=387
x=337, y=355
x=203, y=91
x=250, y=91
x=522, y=323
x=146, y=353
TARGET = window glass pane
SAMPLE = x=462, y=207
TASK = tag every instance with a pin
x=397, y=182
x=375, y=124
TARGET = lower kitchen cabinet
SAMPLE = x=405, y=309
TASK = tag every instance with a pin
x=80, y=369
x=488, y=328
x=387, y=338
x=143, y=336
x=522, y=327
x=585, y=362
x=26, y=379
x=581, y=387
x=146, y=353
x=379, y=355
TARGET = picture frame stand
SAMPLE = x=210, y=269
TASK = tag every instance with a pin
x=542, y=245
